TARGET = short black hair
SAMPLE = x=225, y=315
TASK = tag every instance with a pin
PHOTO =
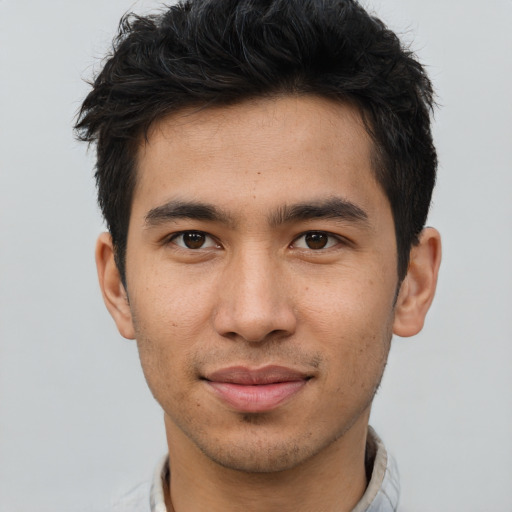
x=219, y=52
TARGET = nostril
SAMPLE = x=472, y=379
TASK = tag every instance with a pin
x=265, y=336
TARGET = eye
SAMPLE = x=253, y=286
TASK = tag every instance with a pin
x=193, y=240
x=315, y=240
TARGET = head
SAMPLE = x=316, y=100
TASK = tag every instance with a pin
x=265, y=169
x=200, y=54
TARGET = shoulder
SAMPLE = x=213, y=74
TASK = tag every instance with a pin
x=147, y=496
x=135, y=500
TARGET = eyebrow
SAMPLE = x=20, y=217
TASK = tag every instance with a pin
x=333, y=208
x=173, y=210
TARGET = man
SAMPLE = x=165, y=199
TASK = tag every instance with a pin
x=265, y=169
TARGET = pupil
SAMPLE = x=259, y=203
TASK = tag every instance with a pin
x=193, y=240
x=316, y=240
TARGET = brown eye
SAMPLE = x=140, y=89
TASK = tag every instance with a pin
x=316, y=240
x=194, y=240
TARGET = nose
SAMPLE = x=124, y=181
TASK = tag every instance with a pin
x=255, y=303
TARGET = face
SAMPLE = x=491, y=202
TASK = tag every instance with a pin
x=261, y=276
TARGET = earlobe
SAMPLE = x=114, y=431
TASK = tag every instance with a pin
x=112, y=288
x=419, y=285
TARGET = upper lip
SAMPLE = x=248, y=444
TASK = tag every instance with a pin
x=242, y=375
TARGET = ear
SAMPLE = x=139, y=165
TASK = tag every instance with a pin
x=419, y=285
x=112, y=288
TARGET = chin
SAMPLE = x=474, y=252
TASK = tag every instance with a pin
x=262, y=460
x=264, y=453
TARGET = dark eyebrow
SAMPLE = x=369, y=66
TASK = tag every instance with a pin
x=333, y=208
x=184, y=210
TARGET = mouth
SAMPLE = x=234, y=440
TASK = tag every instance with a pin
x=256, y=390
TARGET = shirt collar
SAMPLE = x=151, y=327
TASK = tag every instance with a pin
x=383, y=491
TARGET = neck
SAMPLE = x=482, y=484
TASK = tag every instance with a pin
x=331, y=481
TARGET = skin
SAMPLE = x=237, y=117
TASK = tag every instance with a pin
x=253, y=286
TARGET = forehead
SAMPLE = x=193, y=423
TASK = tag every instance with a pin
x=274, y=150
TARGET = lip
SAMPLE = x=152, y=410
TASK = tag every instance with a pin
x=256, y=390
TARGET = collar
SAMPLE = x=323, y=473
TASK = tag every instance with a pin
x=383, y=491
x=381, y=495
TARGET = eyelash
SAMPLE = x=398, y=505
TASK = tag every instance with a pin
x=183, y=246
x=335, y=240
x=331, y=240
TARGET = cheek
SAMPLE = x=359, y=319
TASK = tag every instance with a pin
x=169, y=321
x=346, y=303
x=170, y=305
x=163, y=347
x=353, y=323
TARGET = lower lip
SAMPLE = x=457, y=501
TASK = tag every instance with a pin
x=262, y=398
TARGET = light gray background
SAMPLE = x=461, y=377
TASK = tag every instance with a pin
x=77, y=423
